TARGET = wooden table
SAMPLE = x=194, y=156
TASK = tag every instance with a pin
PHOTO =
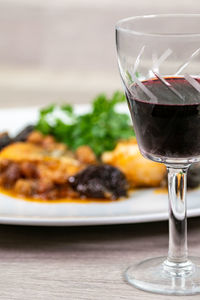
x=85, y=263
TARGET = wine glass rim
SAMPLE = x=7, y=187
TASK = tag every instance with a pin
x=119, y=24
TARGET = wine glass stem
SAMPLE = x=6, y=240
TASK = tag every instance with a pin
x=177, y=184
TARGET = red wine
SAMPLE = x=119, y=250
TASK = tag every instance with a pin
x=168, y=127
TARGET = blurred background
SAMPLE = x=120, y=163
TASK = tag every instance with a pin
x=64, y=50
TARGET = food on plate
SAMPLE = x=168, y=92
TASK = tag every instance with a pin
x=38, y=170
x=139, y=171
x=42, y=168
x=100, y=128
x=100, y=181
x=5, y=140
x=23, y=135
x=89, y=156
x=85, y=155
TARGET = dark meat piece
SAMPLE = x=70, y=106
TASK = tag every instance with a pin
x=100, y=181
x=45, y=186
x=193, y=179
x=23, y=135
x=10, y=175
x=5, y=140
x=29, y=169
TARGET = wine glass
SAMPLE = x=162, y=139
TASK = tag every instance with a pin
x=159, y=63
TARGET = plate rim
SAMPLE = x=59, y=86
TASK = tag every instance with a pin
x=90, y=221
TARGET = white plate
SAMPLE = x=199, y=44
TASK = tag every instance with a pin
x=141, y=206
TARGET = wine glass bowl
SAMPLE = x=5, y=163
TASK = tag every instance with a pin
x=159, y=60
x=167, y=124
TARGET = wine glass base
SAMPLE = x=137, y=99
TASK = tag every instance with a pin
x=152, y=275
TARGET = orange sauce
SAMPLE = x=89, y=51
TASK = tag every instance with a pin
x=11, y=193
x=161, y=190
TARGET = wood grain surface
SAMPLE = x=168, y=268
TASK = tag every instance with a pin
x=85, y=263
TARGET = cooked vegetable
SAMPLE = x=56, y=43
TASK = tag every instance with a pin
x=100, y=129
x=100, y=181
x=139, y=171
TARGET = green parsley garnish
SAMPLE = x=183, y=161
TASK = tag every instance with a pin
x=100, y=129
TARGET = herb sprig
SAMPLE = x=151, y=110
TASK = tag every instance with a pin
x=100, y=129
